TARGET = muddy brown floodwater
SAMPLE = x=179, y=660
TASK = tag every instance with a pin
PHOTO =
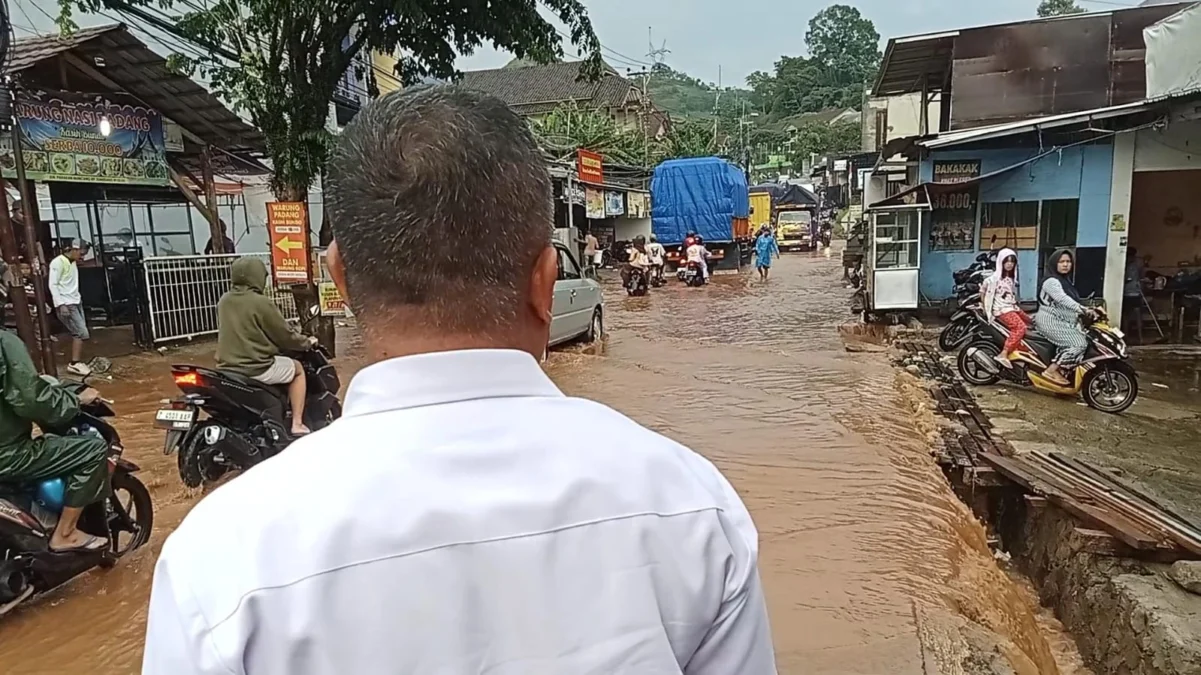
x=870, y=563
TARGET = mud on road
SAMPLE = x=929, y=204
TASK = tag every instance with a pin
x=870, y=563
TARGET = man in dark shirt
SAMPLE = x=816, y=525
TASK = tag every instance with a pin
x=227, y=244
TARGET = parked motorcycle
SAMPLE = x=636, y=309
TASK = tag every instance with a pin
x=29, y=514
x=1104, y=378
x=637, y=283
x=965, y=322
x=245, y=422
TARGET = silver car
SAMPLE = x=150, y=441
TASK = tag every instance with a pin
x=579, y=308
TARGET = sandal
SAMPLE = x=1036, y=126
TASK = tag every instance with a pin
x=92, y=543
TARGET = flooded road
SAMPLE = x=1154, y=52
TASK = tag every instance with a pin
x=870, y=563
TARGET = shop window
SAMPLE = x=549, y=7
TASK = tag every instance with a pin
x=1009, y=225
x=1059, y=221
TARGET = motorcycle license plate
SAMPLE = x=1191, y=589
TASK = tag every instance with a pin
x=174, y=420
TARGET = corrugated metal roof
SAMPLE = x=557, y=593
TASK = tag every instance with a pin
x=139, y=71
x=1014, y=128
x=541, y=87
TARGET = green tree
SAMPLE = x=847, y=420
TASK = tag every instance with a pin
x=687, y=138
x=281, y=60
x=845, y=44
x=1059, y=8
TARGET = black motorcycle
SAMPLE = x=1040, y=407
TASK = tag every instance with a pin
x=825, y=234
x=636, y=283
x=968, y=316
x=965, y=322
x=245, y=422
x=29, y=514
x=692, y=274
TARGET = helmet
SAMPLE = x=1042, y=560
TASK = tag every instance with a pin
x=653, y=239
x=697, y=238
x=640, y=240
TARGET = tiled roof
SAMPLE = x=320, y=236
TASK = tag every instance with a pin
x=29, y=51
x=139, y=71
x=537, y=87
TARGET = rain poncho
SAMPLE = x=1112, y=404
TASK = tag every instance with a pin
x=81, y=461
x=251, y=331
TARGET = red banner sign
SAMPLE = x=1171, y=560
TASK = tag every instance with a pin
x=288, y=225
x=590, y=167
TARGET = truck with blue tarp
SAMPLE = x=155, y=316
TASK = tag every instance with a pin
x=706, y=196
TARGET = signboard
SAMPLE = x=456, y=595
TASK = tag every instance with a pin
x=953, y=220
x=638, y=205
x=64, y=142
x=331, y=300
x=590, y=167
x=289, y=231
x=172, y=136
x=615, y=204
x=594, y=203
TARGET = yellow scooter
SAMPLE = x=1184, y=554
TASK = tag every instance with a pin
x=1104, y=378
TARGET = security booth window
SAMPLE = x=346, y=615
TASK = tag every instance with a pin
x=897, y=239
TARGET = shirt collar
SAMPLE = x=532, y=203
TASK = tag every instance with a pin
x=445, y=377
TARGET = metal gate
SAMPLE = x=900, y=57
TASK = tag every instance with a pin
x=181, y=293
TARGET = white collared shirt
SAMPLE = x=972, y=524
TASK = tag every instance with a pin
x=465, y=517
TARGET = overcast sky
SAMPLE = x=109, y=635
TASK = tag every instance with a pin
x=742, y=36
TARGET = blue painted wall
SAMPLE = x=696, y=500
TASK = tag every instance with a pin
x=1084, y=172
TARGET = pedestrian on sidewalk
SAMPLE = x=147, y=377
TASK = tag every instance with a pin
x=999, y=293
x=455, y=520
x=765, y=249
x=68, y=304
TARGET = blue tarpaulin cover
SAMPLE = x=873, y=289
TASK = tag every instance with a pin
x=701, y=195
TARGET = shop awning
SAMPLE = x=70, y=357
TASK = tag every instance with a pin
x=118, y=60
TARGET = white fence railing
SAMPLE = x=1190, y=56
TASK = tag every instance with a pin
x=183, y=292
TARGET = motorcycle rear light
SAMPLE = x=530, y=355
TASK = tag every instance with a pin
x=187, y=379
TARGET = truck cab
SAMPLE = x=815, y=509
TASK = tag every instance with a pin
x=794, y=230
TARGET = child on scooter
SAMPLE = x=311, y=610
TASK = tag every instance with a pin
x=999, y=293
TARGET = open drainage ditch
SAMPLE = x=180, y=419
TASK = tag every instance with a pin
x=1096, y=551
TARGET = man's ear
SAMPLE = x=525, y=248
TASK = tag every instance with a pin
x=337, y=269
x=542, y=284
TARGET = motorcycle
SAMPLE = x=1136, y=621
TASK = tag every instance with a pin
x=657, y=279
x=636, y=284
x=968, y=315
x=964, y=323
x=826, y=234
x=246, y=422
x=1105, y=378
x=692, y=274
x=29, y=514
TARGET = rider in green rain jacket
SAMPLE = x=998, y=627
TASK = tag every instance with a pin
x=81, y=461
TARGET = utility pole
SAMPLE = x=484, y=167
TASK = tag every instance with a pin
x=33, y=248
x=716, y=106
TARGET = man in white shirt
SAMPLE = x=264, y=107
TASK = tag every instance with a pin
x=697, y=253
x=68, y=304
x=455, y=520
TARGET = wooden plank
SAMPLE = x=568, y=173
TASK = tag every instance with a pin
x=1098, y=542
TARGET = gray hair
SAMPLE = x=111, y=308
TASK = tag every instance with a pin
x=440, y=202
